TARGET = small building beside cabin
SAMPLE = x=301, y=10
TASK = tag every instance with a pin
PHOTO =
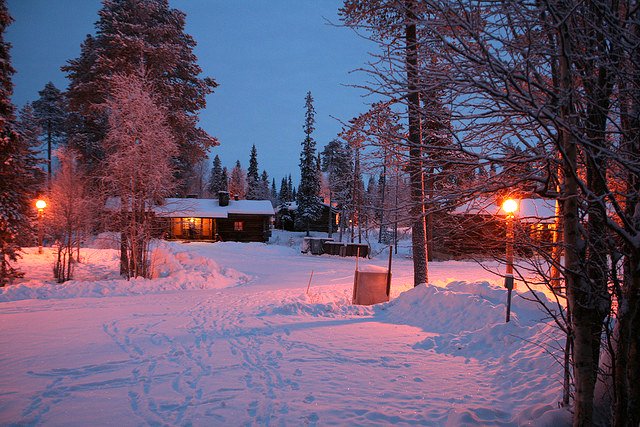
x=478, y=228
x=286, y=218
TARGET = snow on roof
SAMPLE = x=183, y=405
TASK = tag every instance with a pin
x=529, y=210
x=205, y=208
x=209, y=208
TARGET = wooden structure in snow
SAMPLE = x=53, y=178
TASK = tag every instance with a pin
x=372, y=284
x=286, y=218
x=216, y=219
x=478, y=228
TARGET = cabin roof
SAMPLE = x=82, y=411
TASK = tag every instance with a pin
x=204, y=208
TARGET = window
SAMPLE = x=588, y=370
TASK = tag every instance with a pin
x=238, y=226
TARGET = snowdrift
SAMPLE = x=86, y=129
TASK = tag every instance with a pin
x=172, y=269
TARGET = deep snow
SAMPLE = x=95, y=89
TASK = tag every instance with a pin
x=225, y=334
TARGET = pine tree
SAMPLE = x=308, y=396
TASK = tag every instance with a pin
x=51, y=110
x=283, y=194
x=308, y=197
x=216, y=180
x=253, y=191
x=273, y=194
x=264, y=192
x=291, y=191
x=28, y=126
x=18, y=167
x=224, y=181
x=337, y=162
x=132, y=34
x=238, y=181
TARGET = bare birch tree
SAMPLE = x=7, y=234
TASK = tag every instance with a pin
x=139, y=146
x=69, y=212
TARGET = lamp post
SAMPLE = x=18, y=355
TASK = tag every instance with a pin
x=509, y=206
x=40, y=205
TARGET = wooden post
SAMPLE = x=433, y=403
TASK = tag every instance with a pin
x=389, y=271
x=309, y=285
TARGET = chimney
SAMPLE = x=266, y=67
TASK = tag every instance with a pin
x=223, y=198
x=236, y=197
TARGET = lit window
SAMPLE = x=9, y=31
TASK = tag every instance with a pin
x=238, y=226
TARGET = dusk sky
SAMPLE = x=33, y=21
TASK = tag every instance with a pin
x=265, y=54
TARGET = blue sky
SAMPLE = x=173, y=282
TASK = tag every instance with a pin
x=266, y=54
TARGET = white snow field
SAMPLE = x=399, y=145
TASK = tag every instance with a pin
x=227, y=335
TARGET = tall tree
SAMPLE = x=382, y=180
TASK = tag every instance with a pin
x=308, y=197
x=51, y=110
x=132, y=34
x=238, y=181
x=224, y=180
x=18, y=167
x=283, y=195
x=273, y=193
x=253, y=191
x=70, y=212
x=337, y=162
x=393, y=25
x=216, y=180
x=139, y=146
x=28, y=126
x=264, y=193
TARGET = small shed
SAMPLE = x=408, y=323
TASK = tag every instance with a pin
x=286, y=218
x=478, y=227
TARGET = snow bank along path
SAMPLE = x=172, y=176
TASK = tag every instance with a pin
x=226, y=335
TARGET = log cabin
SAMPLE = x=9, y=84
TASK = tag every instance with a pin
x=219, y=219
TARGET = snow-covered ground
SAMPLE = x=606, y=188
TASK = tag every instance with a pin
x=226, y=334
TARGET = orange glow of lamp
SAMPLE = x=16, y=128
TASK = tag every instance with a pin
x=510, y=206
x=40, y=205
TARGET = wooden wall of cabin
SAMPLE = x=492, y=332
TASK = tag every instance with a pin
x=245, y=228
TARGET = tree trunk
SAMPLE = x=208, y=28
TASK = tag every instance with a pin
x=626, y=410
x=49, y=147
x=419, y=231
x=582, y=323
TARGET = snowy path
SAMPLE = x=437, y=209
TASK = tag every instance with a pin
x=262, y=353
x=216, y=361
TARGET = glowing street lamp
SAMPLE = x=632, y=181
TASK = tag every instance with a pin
x=40, y=205
x=510, y=206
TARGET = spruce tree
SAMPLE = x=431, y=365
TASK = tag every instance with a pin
x=264, y=192
x=238, y=181
x=132, y=34
x=253, y=191
x=337, y=162
x=291, y=195
x=51, y=111
x=216, y=180
x=308, y=197
x=18, y=167
x=273, y=194
x=28, y=126
x=283, y=195
x=224, y=181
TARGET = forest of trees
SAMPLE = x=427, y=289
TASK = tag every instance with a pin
x=473, y=99
x=535, y=99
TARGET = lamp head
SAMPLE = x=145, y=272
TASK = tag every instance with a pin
x=41, y=204
x=510, y=206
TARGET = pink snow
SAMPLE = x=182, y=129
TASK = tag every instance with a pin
x=226, y=334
